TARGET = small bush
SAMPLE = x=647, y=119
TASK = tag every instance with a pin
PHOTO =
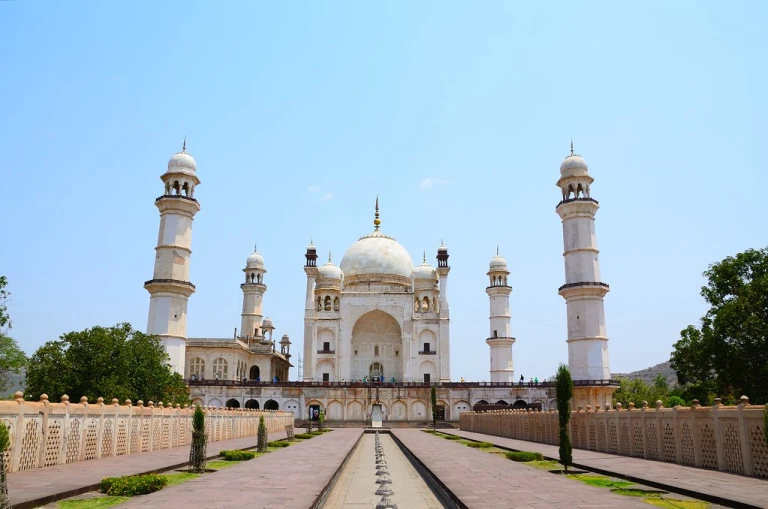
x=304, y=436
x=133, y=485
x=524, y=456
x=315, y=433
x=237, y=455
x=451, y=437
x=326, y=430
x=480, y=445
x=279, y=443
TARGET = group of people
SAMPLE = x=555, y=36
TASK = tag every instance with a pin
x=531, y=381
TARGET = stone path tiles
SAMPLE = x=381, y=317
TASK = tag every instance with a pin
x=37, y=487
x=356, y=486
x=484, y=481
x=718, y=487
x=292, y=477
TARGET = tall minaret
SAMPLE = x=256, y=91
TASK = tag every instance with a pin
x=500, y=339
x=444, y=316
x=169, y=288
x=253, y=296
x=309, y=314
x=583, y=291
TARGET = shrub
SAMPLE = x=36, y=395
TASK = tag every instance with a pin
x=315, y=433
x=304, y=436
x=133, y=485
x=325, y=430
x=237, y=455
x=524, y=456
x=480, y=445
x=451, y=437
x=279, y=443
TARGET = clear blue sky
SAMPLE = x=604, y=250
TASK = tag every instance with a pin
x=299, y=114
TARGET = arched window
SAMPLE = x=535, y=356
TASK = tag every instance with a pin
x=255, y=373
x=185, y=189
x=197, y=368
x=376, y=370
x=376, y=350
x=233, y=403
x=319, y=303
x=425, y=304
x=220, y=369
x=176, y=187
x=336, y=304
x=327, y=302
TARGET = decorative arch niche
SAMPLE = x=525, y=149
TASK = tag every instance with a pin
x=376, y=337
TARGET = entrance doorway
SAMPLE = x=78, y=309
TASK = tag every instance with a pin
x=314, y=412
x=440, y=413
x=376, y=416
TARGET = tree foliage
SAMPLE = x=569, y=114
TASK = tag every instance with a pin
x=112, y=362
x=728, y=354
x=12, y=358
x=433, y=398
x=563, y=394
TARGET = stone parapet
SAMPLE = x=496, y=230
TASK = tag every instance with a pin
x=44, y=434
x=726, y=438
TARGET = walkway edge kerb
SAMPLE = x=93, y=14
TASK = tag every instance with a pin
x=429, y=476
x=320, y=500
x=639, y=480
x=49, y=499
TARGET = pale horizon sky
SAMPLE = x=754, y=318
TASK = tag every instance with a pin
x=457, y=115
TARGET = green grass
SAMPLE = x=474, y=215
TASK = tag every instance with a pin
x=93, y=503
x=219, y=464
x=180, y=477
x=278, y=443
x=671, y=503
x=544, y=465
x=304, y=436
x=601, y=481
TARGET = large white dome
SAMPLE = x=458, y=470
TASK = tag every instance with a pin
x=377, y=258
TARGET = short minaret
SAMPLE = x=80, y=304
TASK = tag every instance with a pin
x=583, y=291
x=169, y=289
x=253, y=296
x=445, y=320
x=500, y=340
x=310, y=268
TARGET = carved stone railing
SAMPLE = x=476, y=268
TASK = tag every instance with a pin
x=726, y=438
x=45, y=434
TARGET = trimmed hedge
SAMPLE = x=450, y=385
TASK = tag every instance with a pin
x=129, y=486
x=304, y=436
x=480, y=445
x=279, y=443
x=451, y=437
x=524, y=456
x=237, y=455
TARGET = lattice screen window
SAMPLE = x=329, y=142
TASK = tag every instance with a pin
x=73, y=441
x=733, y=460
x=53, y=443
x=613, y=438
x=197, y=368
x=220, y=368
x=91, y=432
x=686, y=445
x=668, y=443
x=707, y=444
x=30, y=445
x=653, y=442
x=106, y=439
x=759, y=450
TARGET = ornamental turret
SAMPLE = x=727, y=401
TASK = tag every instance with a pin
x=253, y=297
x=500, y=339
x=310, y=268
x=583, y=290
x=444, y=316
x=170, y=288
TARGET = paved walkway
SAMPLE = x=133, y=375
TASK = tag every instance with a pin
x=483, y=481
x=292, y=477
x=33, y=488
x=719, y=487
x=356, y=486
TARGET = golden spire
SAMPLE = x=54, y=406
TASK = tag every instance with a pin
x=377, y=221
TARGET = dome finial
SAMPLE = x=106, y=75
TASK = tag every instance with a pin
x=425, y=257
x=184, y=145
x=255, y=247
x=377, y=221
x=497, y=250
x=571, y=146
x=329, y=256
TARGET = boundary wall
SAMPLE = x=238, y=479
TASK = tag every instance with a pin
x=43, y=434
x=726, y=438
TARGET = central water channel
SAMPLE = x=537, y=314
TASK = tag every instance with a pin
x=357, y=485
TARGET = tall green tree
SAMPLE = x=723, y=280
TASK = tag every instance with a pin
x=728, y=354
x=113, y=362
x=563, y=394
x=433, y=397
x=12, y=358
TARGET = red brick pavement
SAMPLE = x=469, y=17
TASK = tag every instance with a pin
x=719, y=487
x=292, y=477
x=38, y=487
x=484, y=481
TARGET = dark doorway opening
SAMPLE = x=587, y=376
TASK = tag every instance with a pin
x=520, y=404
x=255, y=373
x=271, y=404
x=252, y=404
x=440, y=413
x=233, y=403
x=314, y=412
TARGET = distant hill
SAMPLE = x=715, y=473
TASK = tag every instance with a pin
x=648, y=375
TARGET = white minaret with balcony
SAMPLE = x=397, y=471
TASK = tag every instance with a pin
x=169, y=288
x=583, y=291
x=444, y=315
x=500, y=339
x=253, y=296
x=309, y=314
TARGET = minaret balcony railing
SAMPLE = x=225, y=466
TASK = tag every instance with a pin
x=577, y=199
x=584, y=283
x=253, y=285
x=175, y=197
x=326, y=351
x=428, y=353
x=171, y=281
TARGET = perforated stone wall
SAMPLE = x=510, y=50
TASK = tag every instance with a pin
x=726, y=438
x=44, y=434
